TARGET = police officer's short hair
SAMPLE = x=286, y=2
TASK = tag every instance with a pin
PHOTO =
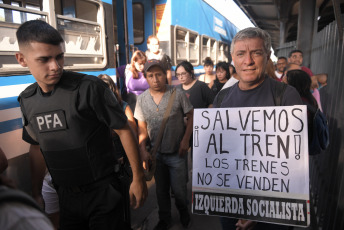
x=38, y=31
x=253, y=32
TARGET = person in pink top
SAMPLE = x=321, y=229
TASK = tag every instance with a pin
x=134, y=80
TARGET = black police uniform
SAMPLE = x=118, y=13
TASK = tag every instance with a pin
x=72, y=126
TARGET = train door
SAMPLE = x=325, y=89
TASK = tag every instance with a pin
x=143, y=22
x=133, y=24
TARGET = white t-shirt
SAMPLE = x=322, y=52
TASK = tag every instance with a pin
x=279, y=75
x=230, y=82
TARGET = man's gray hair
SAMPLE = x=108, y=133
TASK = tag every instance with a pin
x=253, y=32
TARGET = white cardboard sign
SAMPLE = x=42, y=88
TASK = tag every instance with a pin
x=252, y=163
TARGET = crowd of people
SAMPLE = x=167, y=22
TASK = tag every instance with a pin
x=98, y=131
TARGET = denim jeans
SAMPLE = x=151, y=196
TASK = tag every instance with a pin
x=171, y=172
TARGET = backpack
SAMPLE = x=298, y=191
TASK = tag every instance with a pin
x=318, y=132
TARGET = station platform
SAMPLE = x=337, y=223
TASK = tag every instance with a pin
x=146, y=217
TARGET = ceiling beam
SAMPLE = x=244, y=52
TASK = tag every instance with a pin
x=273, y=20
x=258, y=3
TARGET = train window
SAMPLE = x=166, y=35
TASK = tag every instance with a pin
x=222, y=52
x=138, y=23
x=82, y=27
x=193, y=48
x=186, y=46
x=85, y=10
x=209, y=48
x=180, y=46
x=12, y=14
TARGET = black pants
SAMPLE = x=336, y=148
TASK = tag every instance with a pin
x=91, y=207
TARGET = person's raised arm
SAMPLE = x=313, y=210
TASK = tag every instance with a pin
x=143, y=137
x=131, y=120
x=322, y=78
x=184, y=144
x=169, y=76
x=138, y=188
x=38, y=170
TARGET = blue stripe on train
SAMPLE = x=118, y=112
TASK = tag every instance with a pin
x=108, y=1
x=8, y=103
x=7, y=126
x=27, y=79
x=110, y=71
x=17, y=80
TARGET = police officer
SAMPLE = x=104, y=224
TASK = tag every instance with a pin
x=69, y=117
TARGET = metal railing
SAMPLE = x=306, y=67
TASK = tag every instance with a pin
x=327, y=169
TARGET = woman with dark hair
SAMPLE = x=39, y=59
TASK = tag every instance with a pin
x=125, y=173
x=197, y=91
x=209, y=75
x=222, y=76
x=128, y=112
x=233, y=79
x=134, y=79
x=232, y=70
x=300, y=80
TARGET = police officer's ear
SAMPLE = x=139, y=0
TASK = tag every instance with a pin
x=21, y=59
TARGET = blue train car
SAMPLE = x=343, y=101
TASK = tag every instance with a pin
x=188, y=30
x=99, y=36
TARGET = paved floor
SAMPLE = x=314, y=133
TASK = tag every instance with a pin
x=146, y=217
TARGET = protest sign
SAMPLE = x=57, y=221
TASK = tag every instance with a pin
x=252, y=163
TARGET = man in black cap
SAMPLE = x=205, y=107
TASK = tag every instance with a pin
x=171, y=156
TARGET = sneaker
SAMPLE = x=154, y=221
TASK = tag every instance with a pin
x=162, y=225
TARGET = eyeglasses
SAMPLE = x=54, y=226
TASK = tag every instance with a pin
x=181, y=74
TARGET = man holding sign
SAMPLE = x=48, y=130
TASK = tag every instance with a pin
x=171, y=156
x=250, y=50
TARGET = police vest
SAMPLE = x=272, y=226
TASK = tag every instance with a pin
x=77, y=147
